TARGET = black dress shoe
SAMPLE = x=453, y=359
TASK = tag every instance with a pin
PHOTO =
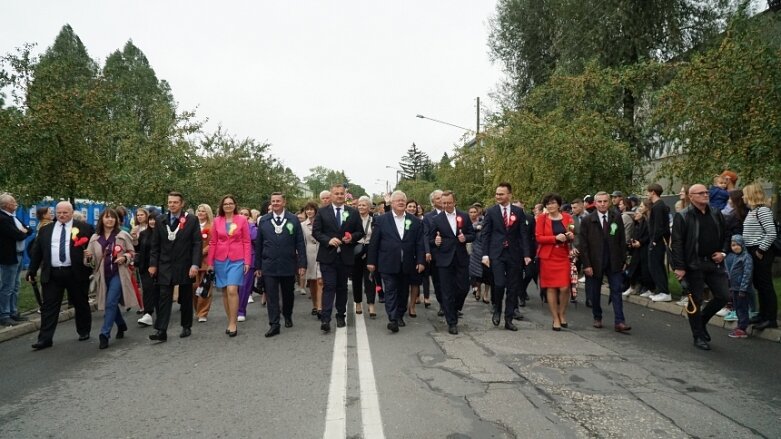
x=103, y=341
x=272, y=331
x=460, y=314
x=325, y=327
x=427, y=304
x=440, y=313
x=315, y=312
x=185, y=333
x=509, y=326
x=522, y=303
x=158, y=336
x=701, y=344
x=340, y=323
x=453, y=329
x=393, y=327
x=42, y=345
x=517, y=315
x=121, y=331
x=705, y=335
x=19, y=318
x=288, y=323
x=496, y=318
x=402, y=323
x=233, y=333
x=761, y=326
x=83, y=337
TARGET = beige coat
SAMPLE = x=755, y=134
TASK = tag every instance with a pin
x=128, y=295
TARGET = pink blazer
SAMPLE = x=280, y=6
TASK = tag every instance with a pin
x=235, y=246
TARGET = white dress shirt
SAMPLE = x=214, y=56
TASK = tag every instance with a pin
x=451, y=218
x=399, y=220
x=55, y=244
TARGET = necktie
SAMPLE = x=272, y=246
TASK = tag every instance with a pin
x=505, y=217
x=338, y=216
x=605, y=228
x=278, y=220
x=62, y=243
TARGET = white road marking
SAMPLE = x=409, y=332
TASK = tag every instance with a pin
x=336, y=412
x=370, y=402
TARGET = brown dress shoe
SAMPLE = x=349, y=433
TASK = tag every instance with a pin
x=622, y=327
x=598, y=324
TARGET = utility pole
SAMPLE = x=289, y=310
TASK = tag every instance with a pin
x=478, y=117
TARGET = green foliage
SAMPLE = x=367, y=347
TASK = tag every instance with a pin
x=416, y=164
x=321, y=178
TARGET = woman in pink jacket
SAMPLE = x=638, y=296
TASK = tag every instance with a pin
x=229, y=256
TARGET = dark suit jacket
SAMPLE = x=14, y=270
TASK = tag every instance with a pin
x=40, y=251
x=325, y=228
x=451, y=250
x=173, y=259
x=9, y=236
x=391, y=253
x=592, y=243
x=428, y=217
x=495, y=234
x=280, y=254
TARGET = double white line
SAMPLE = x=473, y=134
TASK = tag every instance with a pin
x=336, y=413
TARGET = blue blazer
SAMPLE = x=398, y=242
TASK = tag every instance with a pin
x=280, y=254
x=451, y=251
x=391, y=253
x=495, y=234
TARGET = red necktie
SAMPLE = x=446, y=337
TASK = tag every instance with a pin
x=506, y=219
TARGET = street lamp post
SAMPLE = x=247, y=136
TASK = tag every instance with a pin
x=420, y=116
x=398, y=173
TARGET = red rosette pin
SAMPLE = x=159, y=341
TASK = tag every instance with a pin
x=459, y=223
x=205, y=233
x=182, y=220
x=513, y=218
x=347, y=236
x=117, y=250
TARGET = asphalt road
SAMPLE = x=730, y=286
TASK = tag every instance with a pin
x=420, y=383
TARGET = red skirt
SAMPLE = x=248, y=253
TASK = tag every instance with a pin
x=555, y=270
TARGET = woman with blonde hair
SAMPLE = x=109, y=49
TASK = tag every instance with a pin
x=314, y=279
x=759, y=233
x=202, y=305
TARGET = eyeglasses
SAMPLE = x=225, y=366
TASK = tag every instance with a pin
x=699, y=193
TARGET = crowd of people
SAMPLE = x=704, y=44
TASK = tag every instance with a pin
x=395, y=252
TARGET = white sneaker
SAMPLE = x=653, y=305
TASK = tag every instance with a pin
x=241, y=318
x=582, y=280
x=723, y=312
x=647, y=294
x=201, y=319
x=684, y=301
x=628, y=292
x=662, y=297
x=251, y=300
x=145, y=320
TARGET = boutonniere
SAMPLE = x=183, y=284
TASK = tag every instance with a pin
x=459, y=222
x=289, y=228
x=78, y=242
x=513, y=218
x=613, y=228
x=232, y=228
x=345, y=215
x=347, y=235
x=407, y=224
x=117, y=250
x=182, y=220
x=205, y=233
x=74, y=233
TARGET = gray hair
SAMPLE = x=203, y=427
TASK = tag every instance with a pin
x=324, y=193
x=5, y=199
x=433, y=195
x=397, y=194
x=365, y=198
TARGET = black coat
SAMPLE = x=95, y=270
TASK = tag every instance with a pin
x=592, y=243
x=685, y=237
x=495, y=234
x=40, y=251
x=391, y=253
x=451, y=251
x=174, y=259
x=325, y=228
x=9, y=236
x=280, y=254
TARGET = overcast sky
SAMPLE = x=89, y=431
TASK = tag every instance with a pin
x=332, y=83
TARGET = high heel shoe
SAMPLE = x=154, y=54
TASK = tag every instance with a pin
x=358, y=308
x=412, y=314
x=233, y=334
x=556, y=328
x=426, y=304
x=564, y=324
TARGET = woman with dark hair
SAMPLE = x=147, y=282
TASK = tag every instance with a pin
x=245, y=292
x=230, y=256
x=44, y=215
x=738, y=211
x=640, y=279
x=314, y=279
x=555, y=233
x=109, y=252
x=150, y=292
x=415, y=279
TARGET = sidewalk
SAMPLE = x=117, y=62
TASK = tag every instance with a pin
x=34, y=324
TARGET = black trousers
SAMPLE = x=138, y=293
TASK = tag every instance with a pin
x=657, y=268
x=716, y=278
x=165, y=302
x=274, y=286
x=362, y=283
x=507, y=279
x=455, y=288
x=334, y=289
x=150, y=292
x=396, y=287
x=530, y=273
x=62, y=279
x=434, y=271
x=763, y=283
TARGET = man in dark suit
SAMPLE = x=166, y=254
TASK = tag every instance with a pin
x=450, y=231
x=336, y=227
x=279, y=252
x=435, y=198
x=59, y=253
x=12, y=235
x=603, y=252
x=531, y=270
x=174, y=259
x=396, y=251
x=506, y=251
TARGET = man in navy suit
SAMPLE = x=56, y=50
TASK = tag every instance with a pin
x=337, y=228
x=450, y=231
x=506, y=252
x=396, y=250
x=435, y=198
x=59, y=253
x=279, y=251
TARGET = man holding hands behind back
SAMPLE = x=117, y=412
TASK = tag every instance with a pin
x=396, y=250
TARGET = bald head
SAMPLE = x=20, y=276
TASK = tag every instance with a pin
x=698, y=195
x=64, y=211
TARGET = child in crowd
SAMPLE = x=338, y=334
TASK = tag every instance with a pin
x=717, y=194
x=739, y=269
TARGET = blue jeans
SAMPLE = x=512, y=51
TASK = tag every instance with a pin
x=741, y=305
x=112, y=314
x=9, y=288
x=593, y=287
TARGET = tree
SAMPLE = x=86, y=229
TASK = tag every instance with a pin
x=321, y=178
x=415, y=164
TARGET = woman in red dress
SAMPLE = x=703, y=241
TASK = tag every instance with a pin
x=554, y=233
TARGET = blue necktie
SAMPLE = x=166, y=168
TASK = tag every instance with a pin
x=62, y=244
x=338, y=217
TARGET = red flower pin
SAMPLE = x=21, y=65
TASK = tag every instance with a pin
x=117, y=250
x=347, y=236
x=80, y=241
x=459, y=222
x=205, y=233
x=513, y=218
x=182, y=220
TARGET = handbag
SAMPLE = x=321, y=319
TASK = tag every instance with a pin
x=206, y=284
x=358, y=250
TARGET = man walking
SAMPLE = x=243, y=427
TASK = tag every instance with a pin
x=174, y=260
x=12, y=236
x=699, y=245
x=435, y=198
x=59, y=253
x=336, y=227
x=279, y=252
x=659, y=230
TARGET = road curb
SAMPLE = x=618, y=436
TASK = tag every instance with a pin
x=34, y=324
